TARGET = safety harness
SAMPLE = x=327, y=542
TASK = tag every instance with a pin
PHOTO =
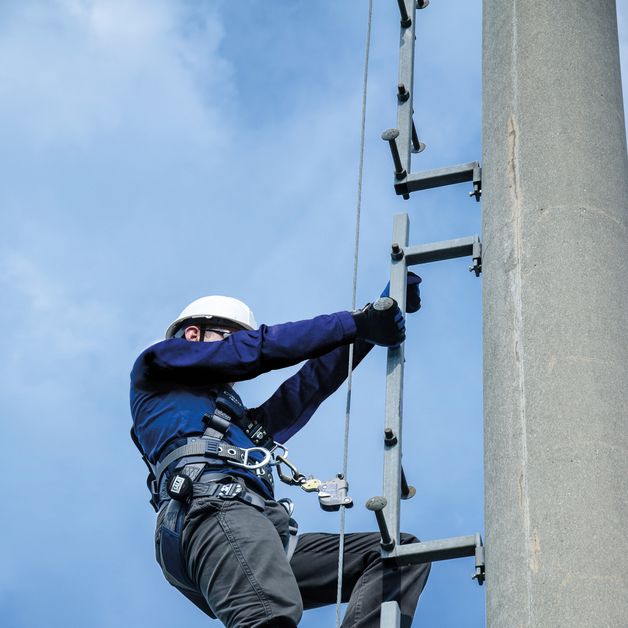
x=211, y=449
x=185, y=467
x=182, y=474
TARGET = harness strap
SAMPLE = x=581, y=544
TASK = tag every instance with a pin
x=202, y=463
x=198, y=450
x=154, y=499
x=293, y=539
x=169, y=545
x=200, y=447
x=230, y=409
x=234, y=490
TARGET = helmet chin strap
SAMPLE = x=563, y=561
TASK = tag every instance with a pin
x=203, y=328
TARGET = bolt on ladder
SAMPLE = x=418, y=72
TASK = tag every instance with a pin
x=387, y=508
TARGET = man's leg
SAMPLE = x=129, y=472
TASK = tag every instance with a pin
x=366, y=581
x=234, y=553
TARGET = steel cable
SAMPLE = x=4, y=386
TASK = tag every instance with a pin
x=356, y=248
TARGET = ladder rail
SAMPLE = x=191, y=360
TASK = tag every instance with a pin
x=406, y=80
x=394, y=387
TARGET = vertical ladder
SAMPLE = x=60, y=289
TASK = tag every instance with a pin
x=403, y=141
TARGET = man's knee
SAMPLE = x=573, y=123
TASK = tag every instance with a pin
x=287, y=616
x=277, y=612
x=286, y=613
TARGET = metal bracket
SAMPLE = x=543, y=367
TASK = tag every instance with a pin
x=439, y=251
x=439, y=177
x=429, y=551
x=476, y=255
x=477, y=182
x=442, y=549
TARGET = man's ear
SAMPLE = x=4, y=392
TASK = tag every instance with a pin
x=192, y=333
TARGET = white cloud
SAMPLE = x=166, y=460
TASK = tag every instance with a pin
x=74, y=70
x=45, y=312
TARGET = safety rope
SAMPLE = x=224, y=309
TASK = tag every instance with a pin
x=358, y=208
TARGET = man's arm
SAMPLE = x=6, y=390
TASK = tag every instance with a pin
x=245, y=354
x=296, y=400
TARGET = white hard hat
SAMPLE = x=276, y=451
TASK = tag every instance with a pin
x=216, y=309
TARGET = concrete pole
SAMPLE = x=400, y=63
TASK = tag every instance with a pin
x=556, y=315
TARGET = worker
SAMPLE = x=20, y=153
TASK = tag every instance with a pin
x=221, y=537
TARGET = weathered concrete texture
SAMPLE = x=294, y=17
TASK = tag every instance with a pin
x=556, y=315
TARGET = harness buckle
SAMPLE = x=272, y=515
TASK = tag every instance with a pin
x=230, y=491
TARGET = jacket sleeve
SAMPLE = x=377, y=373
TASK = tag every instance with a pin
x=245, y=354
x=296, y=400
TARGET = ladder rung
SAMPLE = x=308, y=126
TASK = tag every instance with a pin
x=430, y=551
x=439, y=177
x=438, y=251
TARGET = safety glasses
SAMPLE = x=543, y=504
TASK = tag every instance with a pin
x=225, y=333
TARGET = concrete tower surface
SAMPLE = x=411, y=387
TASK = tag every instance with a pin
x=555, y=179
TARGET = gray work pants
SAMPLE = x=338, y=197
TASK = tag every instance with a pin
x=234, y=554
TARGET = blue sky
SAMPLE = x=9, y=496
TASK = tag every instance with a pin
x=159, y=150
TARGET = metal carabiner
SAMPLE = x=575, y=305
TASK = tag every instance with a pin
x=297, y=478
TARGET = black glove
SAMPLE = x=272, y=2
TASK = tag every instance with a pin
x=381, y=323
x=413, y=294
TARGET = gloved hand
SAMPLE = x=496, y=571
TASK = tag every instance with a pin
x=381, y=323
x=413, y=294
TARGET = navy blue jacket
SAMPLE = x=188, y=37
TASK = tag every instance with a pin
x=171, y=382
